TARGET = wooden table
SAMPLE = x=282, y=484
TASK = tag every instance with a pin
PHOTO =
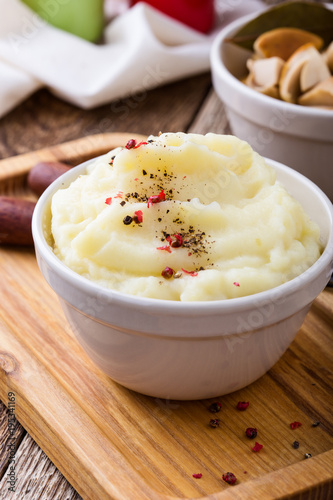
x=43, y=120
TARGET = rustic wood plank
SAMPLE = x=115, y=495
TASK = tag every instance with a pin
x=298, y=478
x=324, y=305
x=10, y=437
x=43, y=120
x=33, y=465
x=211, y=117
x=14, y=170
x=36, y=477
x=81, y=438
x=300, y=376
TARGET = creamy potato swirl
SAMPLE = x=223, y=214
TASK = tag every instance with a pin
x=183, y=217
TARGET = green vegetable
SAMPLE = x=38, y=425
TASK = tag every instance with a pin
x=84, y=18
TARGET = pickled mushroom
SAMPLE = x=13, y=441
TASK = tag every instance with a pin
x=283, y=42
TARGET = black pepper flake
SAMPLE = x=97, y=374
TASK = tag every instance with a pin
x=307, y=455
x=215, y=407
x=159, y=219
x=195, y=243
x=151, y=176
x=136, y=196
x=144, y=172
x=122, y=203
x=127, y=220
x=295, y=445
x=315, y=424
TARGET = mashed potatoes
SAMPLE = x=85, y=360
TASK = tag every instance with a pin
x=183, y=217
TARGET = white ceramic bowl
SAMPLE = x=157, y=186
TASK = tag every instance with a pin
x=195, y=350
x=298, y=136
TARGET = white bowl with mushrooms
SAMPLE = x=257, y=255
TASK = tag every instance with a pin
x=283, y=108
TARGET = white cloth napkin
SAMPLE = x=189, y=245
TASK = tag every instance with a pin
x=143, y=49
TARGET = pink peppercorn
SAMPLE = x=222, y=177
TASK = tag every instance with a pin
x=167, y=273
x=242, y=405
x=257, y=447
x=294, y=425
x=164, y=247
x=138, y=216
x=157, y=198
x=130, y=144
x=229, y=478
x=251, y=432
x=191, y=273
x=175, y=241
x=140, y=144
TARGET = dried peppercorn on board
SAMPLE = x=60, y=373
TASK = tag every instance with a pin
x=110, y=442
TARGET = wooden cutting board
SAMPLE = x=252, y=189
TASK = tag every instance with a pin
x=112, y=443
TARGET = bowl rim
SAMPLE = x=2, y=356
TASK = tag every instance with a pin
x=171, y=306
x=218, y=65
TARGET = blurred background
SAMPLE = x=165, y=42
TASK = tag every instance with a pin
x=110, y=62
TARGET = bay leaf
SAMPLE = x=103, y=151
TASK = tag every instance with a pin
x=308, y=16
